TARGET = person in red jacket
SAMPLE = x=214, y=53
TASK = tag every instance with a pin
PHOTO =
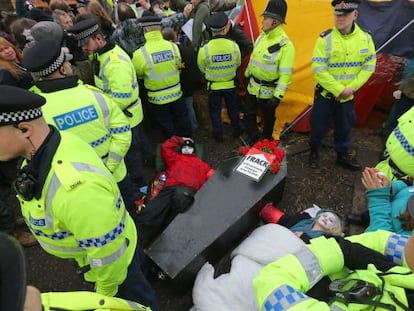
x=185, y=174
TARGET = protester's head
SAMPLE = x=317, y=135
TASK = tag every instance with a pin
x=125, y=12
x=9, y=56
x=59, y=5
x=169, y=34
x=187, y=147
x=88, y=34
x=20, y=31
x=22, y=127
x=97, y=10
x=274, y=14
x=329, y=221
x=62, y=18
x=47, y=59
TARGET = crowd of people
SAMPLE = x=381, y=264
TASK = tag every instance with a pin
x=77, y=83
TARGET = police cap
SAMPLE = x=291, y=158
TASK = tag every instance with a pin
x=45, y=57
x=343, y=7
x=47, y=30
x=149, y=20
x=82, y=30
x=276, y=9
x=18, y=105
x=217, y=21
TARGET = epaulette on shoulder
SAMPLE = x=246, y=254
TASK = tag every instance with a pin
x=365, y=30
x=69, y=176
x=114, y=57
x=326, y=32
x=93, y=88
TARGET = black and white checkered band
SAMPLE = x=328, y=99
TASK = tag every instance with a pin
x=346, y=6
x=147, y=24
x=53, y=67
x=19, y=116
x=86, y=33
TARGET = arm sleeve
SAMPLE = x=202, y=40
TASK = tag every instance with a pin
x=202, y=14
x=368, y=66
x=201, y=60
x=101, y=229
x=121, y=136
x=379, y=207
x=357, y=256
x=320, y=68
x=168, y=152
x=286, y=63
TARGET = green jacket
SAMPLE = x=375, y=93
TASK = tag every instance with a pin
x=80, y=214
x=158, y=63
x=87, y=301
x=271, y=64
x=93, y=117
x=282, y=284
x=218, y=60
x=117, y=78
x=341, y=61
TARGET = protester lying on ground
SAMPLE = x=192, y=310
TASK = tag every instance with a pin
x=389, y=184
x=311, y=223
x=185, y=174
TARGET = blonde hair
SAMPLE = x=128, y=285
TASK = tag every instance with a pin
x=8, y=65
x=96, y=9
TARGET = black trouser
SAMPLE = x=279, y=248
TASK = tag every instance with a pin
x=161, y=210
x=269, y=118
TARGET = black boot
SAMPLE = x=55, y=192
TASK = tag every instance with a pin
x=314, y=158
x=345, y=160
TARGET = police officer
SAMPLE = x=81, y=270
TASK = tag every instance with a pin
x=343, y=60
x=69, y=200
x=219, y=60
x=93, y=116
x=364, y=278
x=157, y=63
x=115, y=75
x=269, y=71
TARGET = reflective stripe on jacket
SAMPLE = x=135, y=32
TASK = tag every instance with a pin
x=341, y=61
x=93, y=117
x=80, y=215
x=157, y=62
x=117, y=79
x=274, y=66
x=218, y=60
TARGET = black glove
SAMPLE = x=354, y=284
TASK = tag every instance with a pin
x=274, y=102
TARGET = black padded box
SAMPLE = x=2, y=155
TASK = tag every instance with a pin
x=224, y=210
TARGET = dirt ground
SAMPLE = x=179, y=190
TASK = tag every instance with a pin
x=328, y=186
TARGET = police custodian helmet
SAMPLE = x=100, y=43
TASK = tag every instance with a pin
x=276, y=9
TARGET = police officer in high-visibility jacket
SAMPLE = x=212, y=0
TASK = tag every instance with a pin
x=93, y=116
x=269, y=71
x=115, y=75
x=158, y=63
x=343, y=60
x=335, y=274
x=69, y=199
x=219, y=60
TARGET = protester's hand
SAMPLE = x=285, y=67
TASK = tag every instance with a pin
x=298, y=233
x=374, y=179
x=397, y=94
x=346, y=93
x=187, y=10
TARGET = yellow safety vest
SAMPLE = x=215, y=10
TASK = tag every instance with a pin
x=218, y=60
x=81, y=215
x=117, y=79
x=93, y=117
x=157, y=62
